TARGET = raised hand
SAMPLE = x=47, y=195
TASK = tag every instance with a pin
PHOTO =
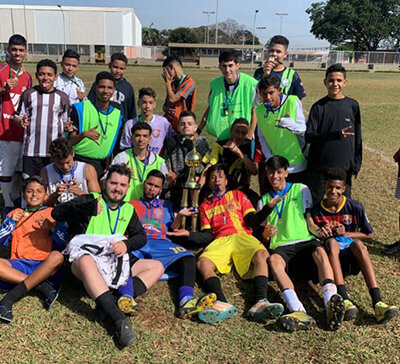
x=24, y=121
x=68, y=125
x=119, y=248
x=346, y=133
x=92, y=134
x=99, y=206
x=17, y=215
x=274, y=201
x=178, y=233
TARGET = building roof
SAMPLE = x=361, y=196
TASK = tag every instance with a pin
x=66, y=8
x=214, y=46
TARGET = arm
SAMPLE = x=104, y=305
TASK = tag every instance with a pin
x=137, y=235
x=204, y=237
x=91, y=179
x=203, y=121
x=75, y=137
x=6, y=230
x=297, y=126
x=84, y=206
x=254, y=219
x=358, y=143
x=249, y=164
x=253, y=123
x=52, y=199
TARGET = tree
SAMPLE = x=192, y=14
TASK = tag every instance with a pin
x=183, y=35
x=362, y=23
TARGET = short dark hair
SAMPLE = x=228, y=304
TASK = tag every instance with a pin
x=17, y=39
x=141, y=125
x=70, y=53
x=277, y=162
x=337, y=67
x=147, y=91
x=119, y=57
x=187, y=113
x=46, y=63
x=215, y=168
x=240, y=121
x=279, y=39
x=60, y=148
x=104, y=75
x=336, y=174
x=156, y=173
x=120, y=169
x=31, y=179
x=227, y=56
x=268, y=81
x=171, y=59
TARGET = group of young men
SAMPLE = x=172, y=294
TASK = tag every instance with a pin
x=102, y=186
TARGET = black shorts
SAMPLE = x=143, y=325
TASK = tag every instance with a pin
x=288, y=252
x=31, y=166
x=348, y=262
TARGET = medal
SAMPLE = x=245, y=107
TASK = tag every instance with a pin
x=103, y=129
x=104, y=136
x=26, y=213
x=279, y=211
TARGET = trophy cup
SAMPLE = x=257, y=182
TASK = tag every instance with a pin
x=193, y=161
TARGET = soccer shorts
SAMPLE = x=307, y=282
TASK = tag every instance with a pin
x=348, y=262
x=23, y=265
x=164, y=251
x=10, y=158
x=238, y=249
x=288, y=252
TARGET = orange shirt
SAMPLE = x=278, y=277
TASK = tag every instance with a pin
x=224, y=216
x=29, y=241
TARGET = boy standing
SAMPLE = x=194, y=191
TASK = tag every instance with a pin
x=14, y=80
x=334, y=134
x=181, y=91
x=343, y=224
x=67, y=81
x=231, y=97
x=44, y=113
x=161, y=128
x=289, y=80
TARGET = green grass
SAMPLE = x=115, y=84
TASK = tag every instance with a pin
x=69, y=332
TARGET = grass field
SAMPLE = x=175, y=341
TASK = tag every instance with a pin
x=70, y=333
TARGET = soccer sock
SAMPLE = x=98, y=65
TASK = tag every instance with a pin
x=44, y=288
x=292, y=301
x=139, y=287
x=375, y=294
x=14, y=295
x=6, y=190
x=213, y=285
x=185, y=293
x=107, y=303
x=260, y=287
x=127, y=289
x=187, y=270
x=341, y=289
x=328, y=289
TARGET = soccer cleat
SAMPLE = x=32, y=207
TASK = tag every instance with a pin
x=384, y=312
x=6, y=314
x=335, y=312
x=391, y=249
x=127, y=305
x=350, y=310
x=297, y=321
x=50, y=299
x=125, y=334
x=218, y=312
x=264, y=310
x=195, y=305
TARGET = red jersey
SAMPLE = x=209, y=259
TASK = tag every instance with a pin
x=9, y=102
x=224, y=215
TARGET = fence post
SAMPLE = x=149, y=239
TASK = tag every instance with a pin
x=384, y=57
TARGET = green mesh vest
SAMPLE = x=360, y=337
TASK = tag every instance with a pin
x=280, y=140
x=221, y=116
x=293, y=226
x=286, y=80
x=102, y=226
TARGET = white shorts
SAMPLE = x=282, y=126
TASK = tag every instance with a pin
x=10, y=158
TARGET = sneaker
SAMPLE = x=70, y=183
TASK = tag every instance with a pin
x=350, y=310
x=335, y=312
x=6, y=314
x=264, y=310
x=50, y=299
x=125, y=333
x=127, y=305
x=297, y=321
x=195, y=305
x=219, y=311
x=391, y=249
x=384, y=312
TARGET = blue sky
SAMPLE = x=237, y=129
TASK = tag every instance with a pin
x=188, y=13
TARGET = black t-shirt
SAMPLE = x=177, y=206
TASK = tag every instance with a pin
x=328, y=149
x=296, y=88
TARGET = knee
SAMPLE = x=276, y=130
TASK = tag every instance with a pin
x=260, y=257
x=319, y=255
x=85, y=263
x=204, y=265
x=333, y=247
x=55, y=259
x=157, y=267
x=275, y=261
x=359, y=248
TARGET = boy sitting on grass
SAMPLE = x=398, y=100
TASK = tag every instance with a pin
x=342, y=222
x=33, y=234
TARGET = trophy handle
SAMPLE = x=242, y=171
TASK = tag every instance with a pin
x=195, y=204
x=184, y=204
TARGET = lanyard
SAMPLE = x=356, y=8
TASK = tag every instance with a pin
x=62, y=176
x=269, y=108
x=109, y=219
x=218, y=194
x=71, y=79
x=146, y=159
x=227, y=103
x=16, y=72
x=104, y=130
x=281, y=193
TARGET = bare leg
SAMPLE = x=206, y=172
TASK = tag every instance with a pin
x=322, y=261
x=148, y=270
x=334, y=260
x=278, y=267
x=360, y=251
x=206, y=268
x=9, y=274
x=260, y=263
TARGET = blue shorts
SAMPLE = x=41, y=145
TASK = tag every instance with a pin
x=344, y=242
x=23, y=265
x=164, y=251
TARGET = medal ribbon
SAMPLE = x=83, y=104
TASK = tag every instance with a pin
x=104, y=130
x=280, y=194
x=227, y=103
x=62, y=176
x=146, y=159
x=16, y=72
x=109, y=219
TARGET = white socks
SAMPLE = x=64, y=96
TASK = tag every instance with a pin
x=292, y=301
x=328, y=289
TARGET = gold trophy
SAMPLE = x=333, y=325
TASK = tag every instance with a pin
x=193, y=161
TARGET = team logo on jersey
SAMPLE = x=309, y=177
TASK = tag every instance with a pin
x=156, y=133
x=15, y=99
x=347, y=219
x=231, y=206
x=285, y=82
